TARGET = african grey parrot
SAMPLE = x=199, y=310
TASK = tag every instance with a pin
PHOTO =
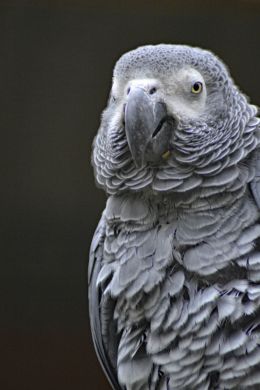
x=174, y=272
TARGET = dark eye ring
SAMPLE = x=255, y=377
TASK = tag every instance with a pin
x=197, y=87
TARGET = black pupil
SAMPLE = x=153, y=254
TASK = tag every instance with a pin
x=196, y=86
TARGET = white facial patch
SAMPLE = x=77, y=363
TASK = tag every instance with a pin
x=176, y=91
x=179, y=94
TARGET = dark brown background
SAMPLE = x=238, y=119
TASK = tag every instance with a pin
x=56, y=60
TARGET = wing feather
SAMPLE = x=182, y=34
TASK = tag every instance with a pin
x=100, y=311
x=255, y=183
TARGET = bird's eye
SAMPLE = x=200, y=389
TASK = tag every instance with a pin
x=197, y=87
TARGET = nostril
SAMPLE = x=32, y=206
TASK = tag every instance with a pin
x=128, y=90
x=152, y=91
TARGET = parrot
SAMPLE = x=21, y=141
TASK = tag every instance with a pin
x=174, y=265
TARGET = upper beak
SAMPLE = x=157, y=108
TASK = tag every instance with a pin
x=148, y=126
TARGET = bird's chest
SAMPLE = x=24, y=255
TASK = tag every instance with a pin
x=175, y=279
x=147, y=244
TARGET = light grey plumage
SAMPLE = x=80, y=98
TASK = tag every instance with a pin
x=174, y=273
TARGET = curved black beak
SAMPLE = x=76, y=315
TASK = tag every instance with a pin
x=148, y=126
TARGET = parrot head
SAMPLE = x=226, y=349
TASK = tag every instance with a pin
x=174, y=114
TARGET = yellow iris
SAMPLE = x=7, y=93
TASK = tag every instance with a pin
x=197, y=87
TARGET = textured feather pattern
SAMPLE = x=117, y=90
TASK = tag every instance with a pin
x=180, y=316
x=175, y=272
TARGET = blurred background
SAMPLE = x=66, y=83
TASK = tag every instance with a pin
x=56, y=61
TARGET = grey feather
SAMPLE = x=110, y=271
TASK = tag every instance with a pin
x=174, y=271
x=95, y=321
